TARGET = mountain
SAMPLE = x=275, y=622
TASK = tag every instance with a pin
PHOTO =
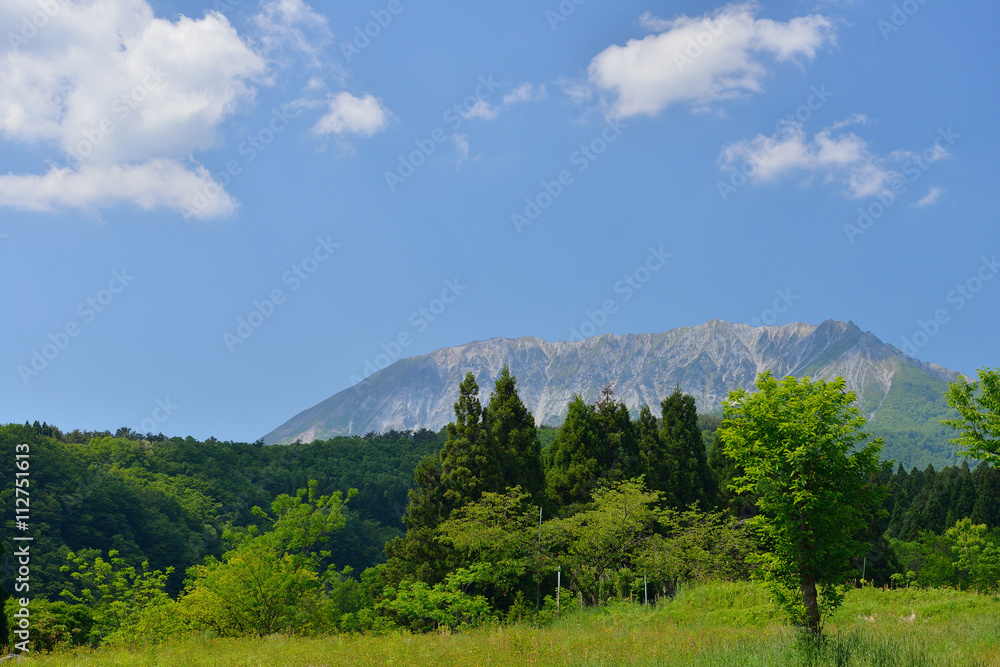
x=902, y=397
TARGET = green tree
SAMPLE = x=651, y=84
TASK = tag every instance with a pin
x=691, y=545
x=269, y=581
x=56, y=625
x=929, y=557
x=987, y=506
x=593, y=547
x=975, y=553
x=618, y=436
x=724, y=470
x=500, y=531
x=510, y=427
x=802, y=449
x=469, y=465
x=418, y=554
x=417, y=606
x=574, y=461
x=658, y=468
x=128, y=605
x=603, y=549
x=681, y=438
x=978, y=404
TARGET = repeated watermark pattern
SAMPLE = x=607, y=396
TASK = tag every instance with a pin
x=550, y=191
x=34, y=23
x=454, y=116
x=363, y=36
x=562, y=13
x=781, y=304
x=88, y=311
x=898, y=17
x=696, y=45
x=223, y=6
x=419, y=320
x=788, y=125
x=913, y=168
x=294, y=277
x=122, y=107
x=627, y=286
x=956, y=299
x=21, y=623
x=161, y=413
x=248, y=149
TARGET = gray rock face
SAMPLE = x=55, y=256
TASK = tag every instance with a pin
x=706, y=361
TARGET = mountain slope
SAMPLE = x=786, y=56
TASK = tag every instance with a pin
x=897, y=392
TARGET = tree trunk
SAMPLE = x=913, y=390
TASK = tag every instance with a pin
x=809, y=601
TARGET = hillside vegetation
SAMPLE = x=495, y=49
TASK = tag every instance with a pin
x=366, y=543
x=718, y=624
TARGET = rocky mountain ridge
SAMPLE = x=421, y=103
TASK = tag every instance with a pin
x=706, y=361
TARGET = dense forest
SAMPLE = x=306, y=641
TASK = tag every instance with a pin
x=169, y=500
x=140, y=537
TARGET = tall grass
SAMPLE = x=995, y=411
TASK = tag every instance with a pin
x=719, y=624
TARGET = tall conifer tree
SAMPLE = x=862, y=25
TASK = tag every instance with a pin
x=659, y=469
x=618, y=458
x=682, y=440
x=468, y=466
x=513, y=438
x=573, y=461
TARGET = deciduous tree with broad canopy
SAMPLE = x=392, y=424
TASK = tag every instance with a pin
x=978, y=403
x=803, y=451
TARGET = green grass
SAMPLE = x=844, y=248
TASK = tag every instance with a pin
x=713, y=625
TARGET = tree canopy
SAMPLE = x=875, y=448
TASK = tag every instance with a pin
x=802, y=450
x=978, y=403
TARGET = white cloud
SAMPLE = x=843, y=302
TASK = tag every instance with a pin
x=856, y=119
x=481, y=109
x=122, y=95
x=152, y=184
x=933, y=194
x=773, y=156
x=526, y=92
x=462, y=145
x=125, y=99
x=161, y=87
x=701, y=59
x=353, y=115
x=844, y=158
x=283, y=24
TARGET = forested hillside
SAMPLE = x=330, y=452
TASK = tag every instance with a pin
x=141, y=537
x=169, y=500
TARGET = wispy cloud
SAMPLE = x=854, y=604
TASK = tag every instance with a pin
x=461, y=142
x=526, y=92
x=843, y=158
x=283, y=25
x=933, y=194
x=481, y=109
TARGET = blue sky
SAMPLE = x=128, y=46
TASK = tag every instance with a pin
x=216, y=214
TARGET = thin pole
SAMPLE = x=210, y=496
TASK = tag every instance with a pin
x=538, y=564
x=645, y=591
x=558, y=589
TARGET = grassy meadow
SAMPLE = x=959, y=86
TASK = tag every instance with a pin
x=711, y=624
